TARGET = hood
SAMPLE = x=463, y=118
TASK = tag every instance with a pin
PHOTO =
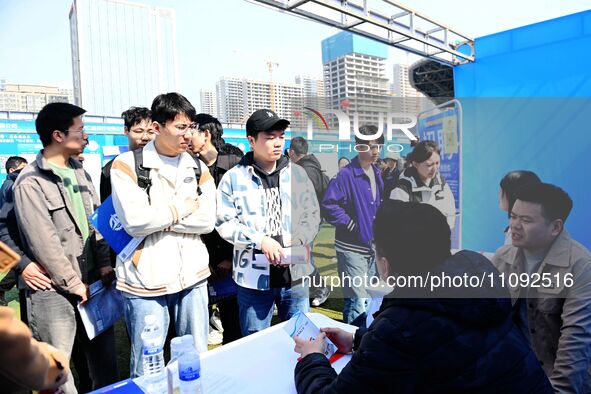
x=310, y=161
x=248, y=160
x=473, y=305
x=412, y=176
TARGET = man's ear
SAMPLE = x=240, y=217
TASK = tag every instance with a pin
x=57, y=136
x=156, y=127
x=125, y=130
x=557, y=227
x=384, y=266
x=251, y=141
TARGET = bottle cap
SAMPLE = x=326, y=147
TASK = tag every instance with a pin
x=176, y=345
x=188, y=341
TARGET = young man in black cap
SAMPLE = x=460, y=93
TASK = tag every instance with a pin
x=264, y=206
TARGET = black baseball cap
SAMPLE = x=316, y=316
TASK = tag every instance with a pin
x=264, y=120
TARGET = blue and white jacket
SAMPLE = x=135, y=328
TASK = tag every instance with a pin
x=242, y=218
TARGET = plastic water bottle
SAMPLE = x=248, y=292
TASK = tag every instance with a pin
x=190, y=368
x=153, y=357
x=172, y=368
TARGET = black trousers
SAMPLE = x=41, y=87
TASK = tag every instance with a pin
x=228, y=308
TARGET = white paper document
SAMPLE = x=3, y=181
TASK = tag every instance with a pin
x=293, y=255
x=301, y=326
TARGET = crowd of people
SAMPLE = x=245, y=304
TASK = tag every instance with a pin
x=209, y=214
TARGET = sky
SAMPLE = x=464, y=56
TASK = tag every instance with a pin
x=236, y=37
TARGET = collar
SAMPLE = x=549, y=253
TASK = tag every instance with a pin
x=152, y=159
x=13, y=175
x=43, y=164
x=359, y=171
x=248, y=161
x=417, y=184
x=559, y=254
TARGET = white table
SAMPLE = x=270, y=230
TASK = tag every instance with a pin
x=262, y=362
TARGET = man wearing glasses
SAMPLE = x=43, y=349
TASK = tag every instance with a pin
x=169, y=269
x=139, y=131
x=350, y=204
x=53, y=197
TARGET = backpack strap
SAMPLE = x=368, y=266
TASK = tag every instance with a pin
x=143, y=173
x=197, y=173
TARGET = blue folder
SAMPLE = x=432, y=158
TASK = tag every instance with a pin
x=105, y=220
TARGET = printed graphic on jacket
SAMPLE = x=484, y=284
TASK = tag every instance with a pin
x=243, y=218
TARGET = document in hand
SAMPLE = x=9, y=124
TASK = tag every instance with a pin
x=301, y=326
x=296, y=255
x=105, y=220
x=103, y=308
x=293, y=255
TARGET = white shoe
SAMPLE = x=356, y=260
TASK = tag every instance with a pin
x=216, y=322
x=215, y=338
x=321, y=298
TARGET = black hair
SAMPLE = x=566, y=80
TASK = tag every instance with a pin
x=166, y=107
x=230, y=149
x=515, y=180
x=423, y=151
x=555, y=202
x=55, y=116
x=13, y=162
x=213, y=125
x=413, y=237
x=135, y=115
x=299, y=145
x=343, y=158
x=368, y=130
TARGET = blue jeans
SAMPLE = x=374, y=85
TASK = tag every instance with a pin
x=190, y=314
x=356, y=299
x=256, y=306
x=54, y=318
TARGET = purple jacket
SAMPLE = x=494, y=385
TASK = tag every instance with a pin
x=348, y=204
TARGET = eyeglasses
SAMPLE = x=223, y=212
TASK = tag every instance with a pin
x=81, y=131
x=183, y=128
x=142, y=132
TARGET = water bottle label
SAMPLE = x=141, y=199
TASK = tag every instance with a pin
x=152, y=350
x=189, y=374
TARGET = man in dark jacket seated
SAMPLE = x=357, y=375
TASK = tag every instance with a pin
x=442, y=340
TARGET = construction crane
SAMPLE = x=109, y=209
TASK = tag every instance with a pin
x=271, y=64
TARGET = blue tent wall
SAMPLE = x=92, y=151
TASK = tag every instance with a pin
x=526, y=105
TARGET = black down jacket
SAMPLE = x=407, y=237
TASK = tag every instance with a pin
x=446, y=345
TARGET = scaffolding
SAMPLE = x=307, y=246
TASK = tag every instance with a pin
x=388, y=22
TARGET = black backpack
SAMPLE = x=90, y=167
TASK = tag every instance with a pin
x=324, y=185
x=143, y=173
